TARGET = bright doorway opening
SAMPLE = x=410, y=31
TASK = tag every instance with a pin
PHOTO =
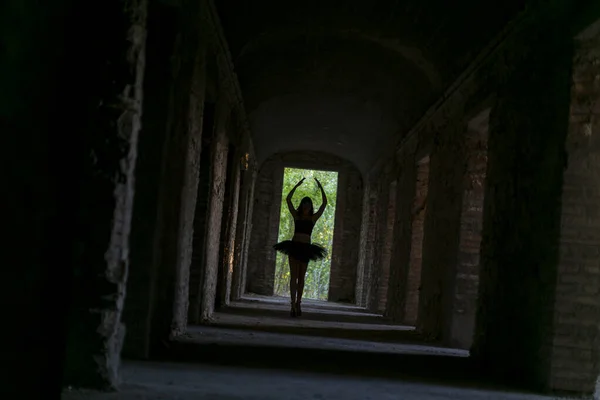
x=318, y=273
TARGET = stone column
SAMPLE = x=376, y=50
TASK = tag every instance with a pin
x=362, y=250
x=241, y=235
x=441, y=230
x=400, y=257
x=386, y=253
x=376, y=267
x=231, y=230
x=248, y=228
x=459, y=333
x=522, y=210
x=575, y=363
x=370, y=239
x=178, y=184
x=219, y=152
x=267, y=207
x=106, y=193
x=162, y=30
x=69, y=116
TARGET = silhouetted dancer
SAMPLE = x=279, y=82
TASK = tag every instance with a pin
x=300, y=250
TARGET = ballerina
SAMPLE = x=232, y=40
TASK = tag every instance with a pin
x=300, y=250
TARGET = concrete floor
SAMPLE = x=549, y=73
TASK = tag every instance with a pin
x=152, y=381
x=254, y=350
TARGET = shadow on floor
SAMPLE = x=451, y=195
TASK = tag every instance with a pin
x=259, y=334
x=451, y=371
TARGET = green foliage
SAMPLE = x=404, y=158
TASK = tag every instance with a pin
x=317, y=275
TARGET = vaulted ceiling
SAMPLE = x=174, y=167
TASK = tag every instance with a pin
x=349, y=77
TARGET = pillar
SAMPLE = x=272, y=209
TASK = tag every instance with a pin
x=219, y=152
x=246, y=247
x=228, y=262
x=376, y=257
x=105, y=201
x=522, y=214
x=441, y=230
x=575, y=362
x=177, y=183
x=162, y=30
x=400, y=257
x=70, y=197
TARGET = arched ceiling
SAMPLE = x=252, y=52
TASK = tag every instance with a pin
x=349, y=77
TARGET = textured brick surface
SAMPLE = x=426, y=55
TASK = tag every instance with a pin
x=179, y=183
x=520, y=232
x=374, y=265
x=106, y=200
x=265, y=223
x=360, y=288
x=400, y=257
x=201, y=215
x=241, y=236
x=371, y=244
x=519, y=251
x=192, y=117
x=211, y=260
x=419, y=210
x=441, y=229
x=466, y=283
x=228, y=227
x=261, y=258
x=166, y=294
x=136, y=315
x=386, y=254
x=576, y=342
x=246, y=253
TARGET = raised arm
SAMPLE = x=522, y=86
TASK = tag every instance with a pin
x=323, y=204
x=289, y=198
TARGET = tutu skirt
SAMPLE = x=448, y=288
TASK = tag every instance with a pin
x=304, y=252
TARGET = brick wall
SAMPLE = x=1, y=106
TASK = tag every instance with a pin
x=360, y=288
x=371, y=247
x=519, y=254
x=246, y=253
x=230, y=262
x=400, y=257
x=576, y=341
x=419, y=210
x=519, y=250
x=267, y=201
x=442, y=227
x=471, y=223
x=386, y=254
x=377, y=239
x=265, y=226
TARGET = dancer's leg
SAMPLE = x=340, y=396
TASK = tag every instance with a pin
x=302, y=267
x=294, y=271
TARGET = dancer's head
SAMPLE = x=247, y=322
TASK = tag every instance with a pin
x=306, y=207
